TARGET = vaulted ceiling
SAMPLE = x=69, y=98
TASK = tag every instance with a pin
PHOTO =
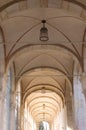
x=43, y=65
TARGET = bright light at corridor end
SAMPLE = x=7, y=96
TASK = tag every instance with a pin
x=69, y=128
x=46, y=125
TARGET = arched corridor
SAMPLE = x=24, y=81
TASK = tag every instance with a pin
x=42, y=65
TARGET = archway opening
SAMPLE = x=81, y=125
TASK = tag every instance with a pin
x=44, y=125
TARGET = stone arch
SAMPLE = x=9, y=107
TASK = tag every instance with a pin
x=8, y=4
x=2, y=56
x=27, y=48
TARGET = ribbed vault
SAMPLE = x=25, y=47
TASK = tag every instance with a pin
x=44, y=91
x=44, y=106
x=45, y=69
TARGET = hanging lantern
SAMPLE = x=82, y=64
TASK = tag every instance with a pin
x=44, y=32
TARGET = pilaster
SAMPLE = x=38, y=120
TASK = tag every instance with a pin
x=22, y=117
x=83, y=82
x=12, y=114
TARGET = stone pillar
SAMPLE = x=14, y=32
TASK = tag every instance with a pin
x=84, y=91
x=2, y=66
x=61, y=120
x=5, y=122
x=6, y=104
x=12, y=116
x=83, y=101
x=83, y=82
x=12, y=112
x=17, y=116
x=1, y=109
x=69, y=107
x=70, y=121
x=63, y=115
x=79, y=103
x=22, y=117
